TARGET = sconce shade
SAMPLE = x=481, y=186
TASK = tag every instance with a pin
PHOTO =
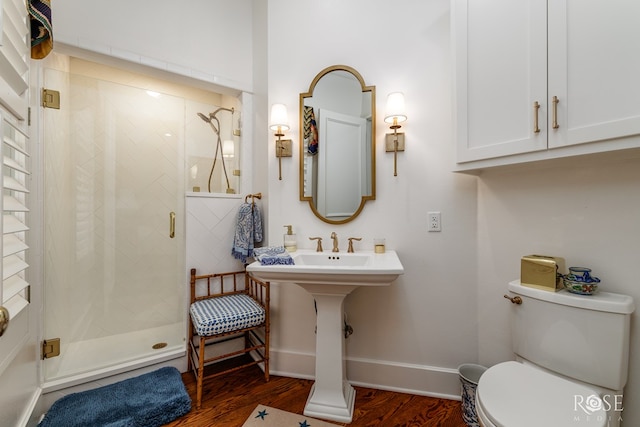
x=227, y=148
x=279, y=117
x=395, y=108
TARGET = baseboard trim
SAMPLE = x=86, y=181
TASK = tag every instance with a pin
x=29, y=418
x=423, y=380
x=292, y=364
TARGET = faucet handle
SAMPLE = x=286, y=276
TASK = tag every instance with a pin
x=351, y=239
x=319, y=246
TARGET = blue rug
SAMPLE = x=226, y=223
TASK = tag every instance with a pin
x=149, y=400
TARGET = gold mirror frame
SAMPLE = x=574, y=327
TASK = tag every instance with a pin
x=303, y=148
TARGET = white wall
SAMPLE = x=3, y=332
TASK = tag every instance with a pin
x=417, y=331
x=210, y=40
x=586, y=211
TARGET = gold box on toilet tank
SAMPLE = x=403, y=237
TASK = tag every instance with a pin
x=542, y=272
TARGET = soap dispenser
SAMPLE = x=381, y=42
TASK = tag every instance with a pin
x=290, y=242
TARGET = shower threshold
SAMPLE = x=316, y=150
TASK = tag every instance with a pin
x=90, y=360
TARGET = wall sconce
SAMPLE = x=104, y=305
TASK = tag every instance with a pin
x=395, y=113
x=280, y=123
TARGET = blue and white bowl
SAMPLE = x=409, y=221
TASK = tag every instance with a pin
x=580, y=281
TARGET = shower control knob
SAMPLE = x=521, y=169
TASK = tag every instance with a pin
x=515, y=300
x=4, y=320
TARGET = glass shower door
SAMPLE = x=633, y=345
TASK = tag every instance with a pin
x=114, y=173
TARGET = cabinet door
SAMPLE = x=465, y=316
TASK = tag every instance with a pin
x=594, y=70
x=501, y=71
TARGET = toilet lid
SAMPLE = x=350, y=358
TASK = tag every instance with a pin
x=514, y=394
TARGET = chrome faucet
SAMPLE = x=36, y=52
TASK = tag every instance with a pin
x=334, y=237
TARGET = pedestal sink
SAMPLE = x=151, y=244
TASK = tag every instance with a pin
x=330, y=277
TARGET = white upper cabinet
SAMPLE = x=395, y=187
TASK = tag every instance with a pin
x=594, y=69
x=537, y=80
x=501, y=71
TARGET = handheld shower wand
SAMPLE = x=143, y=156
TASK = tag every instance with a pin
x=212, y=117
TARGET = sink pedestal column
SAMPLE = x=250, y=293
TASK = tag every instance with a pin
x=331, y=397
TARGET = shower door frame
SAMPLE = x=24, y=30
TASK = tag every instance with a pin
x=176, y=351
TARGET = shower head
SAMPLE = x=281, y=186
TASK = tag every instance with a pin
x=205, y=118
x=213, y=114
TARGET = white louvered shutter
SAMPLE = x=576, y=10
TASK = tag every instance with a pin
x=14, y=107
x=15, y=172
x=15, y=53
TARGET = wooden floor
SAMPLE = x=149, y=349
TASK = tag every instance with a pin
x=228, y=401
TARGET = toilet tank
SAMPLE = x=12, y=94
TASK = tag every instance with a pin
x=582, y=337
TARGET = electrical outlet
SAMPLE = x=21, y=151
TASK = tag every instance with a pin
x=433, y=223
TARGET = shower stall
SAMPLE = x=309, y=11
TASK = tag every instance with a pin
x=115, y=176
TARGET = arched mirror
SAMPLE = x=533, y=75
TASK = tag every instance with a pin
x=337, y=144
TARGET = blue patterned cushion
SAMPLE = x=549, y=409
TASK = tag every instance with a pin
x=225, y=314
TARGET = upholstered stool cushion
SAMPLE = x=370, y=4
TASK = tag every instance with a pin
x=225, y=314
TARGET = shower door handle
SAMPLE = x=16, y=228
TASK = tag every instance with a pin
x=172, y=224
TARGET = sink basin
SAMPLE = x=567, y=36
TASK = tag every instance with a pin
x=330, y=277
x=321, y=259
x=329, y=268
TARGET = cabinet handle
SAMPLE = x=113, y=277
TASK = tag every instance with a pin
x=555, y=112
x=172, y=224
x=536, y=108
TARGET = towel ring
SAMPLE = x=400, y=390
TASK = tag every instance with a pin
x=253, y=196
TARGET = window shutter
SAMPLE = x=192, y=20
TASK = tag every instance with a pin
x=15, y=199
x=15, y=54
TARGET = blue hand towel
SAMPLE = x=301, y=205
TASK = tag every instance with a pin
x=273, y=255
x=248, y=231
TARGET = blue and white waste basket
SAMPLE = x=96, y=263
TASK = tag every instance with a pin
x=469, y=377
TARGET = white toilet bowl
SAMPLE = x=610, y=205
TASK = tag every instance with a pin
x=514, y=394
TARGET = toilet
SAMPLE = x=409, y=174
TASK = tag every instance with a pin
x=572, y=357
